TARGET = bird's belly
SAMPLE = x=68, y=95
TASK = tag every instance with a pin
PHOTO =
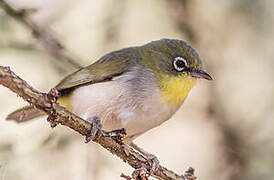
x=151, y=114
x=99, y=100
x=117, y=109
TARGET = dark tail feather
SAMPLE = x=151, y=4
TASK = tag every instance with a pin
x=24, y=114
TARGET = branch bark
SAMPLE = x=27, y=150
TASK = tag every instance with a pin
x=59, y=115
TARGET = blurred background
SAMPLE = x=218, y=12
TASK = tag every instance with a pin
x=225, y=129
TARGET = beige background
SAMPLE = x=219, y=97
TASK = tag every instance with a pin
x=225, y=128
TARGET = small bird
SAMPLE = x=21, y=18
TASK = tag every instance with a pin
x=136, y=88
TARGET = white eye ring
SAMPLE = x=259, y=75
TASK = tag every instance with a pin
x=179, y=63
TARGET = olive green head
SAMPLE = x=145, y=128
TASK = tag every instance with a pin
x=173, y=57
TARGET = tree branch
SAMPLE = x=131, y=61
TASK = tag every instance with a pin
x=59, y=115
x=50, y=43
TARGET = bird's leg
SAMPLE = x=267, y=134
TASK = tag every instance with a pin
x=96, y=130
x=154, y=160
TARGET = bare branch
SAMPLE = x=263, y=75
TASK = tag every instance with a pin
x=59, y=115
x=50, y=43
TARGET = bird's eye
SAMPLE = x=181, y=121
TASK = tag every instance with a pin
x=179, y=63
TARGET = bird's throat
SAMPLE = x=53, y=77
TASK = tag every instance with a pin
x=176, y=88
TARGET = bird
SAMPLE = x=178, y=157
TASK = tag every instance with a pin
x=135, y=88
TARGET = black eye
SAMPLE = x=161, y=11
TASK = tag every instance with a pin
x=179, y=63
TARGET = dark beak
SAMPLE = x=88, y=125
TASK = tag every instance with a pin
x=200, y=74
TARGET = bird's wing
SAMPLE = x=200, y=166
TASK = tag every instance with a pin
x=109, y=66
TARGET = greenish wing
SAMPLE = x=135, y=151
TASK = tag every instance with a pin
x=109, y=66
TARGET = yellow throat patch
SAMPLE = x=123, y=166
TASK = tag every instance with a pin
x=176, y=88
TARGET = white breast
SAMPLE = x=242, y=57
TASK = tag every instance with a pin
x=129, y=101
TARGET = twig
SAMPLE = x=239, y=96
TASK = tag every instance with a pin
x=50, y=43
x=59, y=115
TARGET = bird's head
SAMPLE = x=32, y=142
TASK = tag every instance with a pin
x=176, y=65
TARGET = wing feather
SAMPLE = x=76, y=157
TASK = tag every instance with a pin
x=109, y=66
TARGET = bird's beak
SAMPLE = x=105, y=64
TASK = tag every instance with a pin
x=200, y=74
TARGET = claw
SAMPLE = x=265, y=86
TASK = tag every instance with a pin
x=96, y=130
x=155, y=164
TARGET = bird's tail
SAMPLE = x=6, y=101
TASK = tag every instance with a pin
x=24, y=114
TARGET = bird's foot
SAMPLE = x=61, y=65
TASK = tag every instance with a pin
x=155, y=163
x=96, y=130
